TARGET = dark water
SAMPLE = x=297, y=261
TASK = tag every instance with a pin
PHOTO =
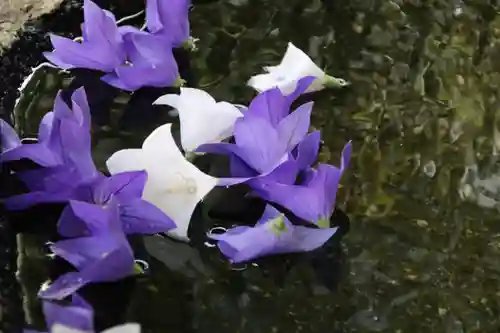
x=423, y=252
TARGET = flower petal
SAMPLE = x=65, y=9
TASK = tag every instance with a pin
x=8, y=137
x=142, y=217
x=23, y=201
x=196, y=109
x=68, y=54
x=71, y=316
x=81, y=219
x=308, y=239
x=175, y=185
x=260, y=141
x=126, y=160
x=63, y=287
x=307, y=150
x=124, y=328
x=295, y=126
x=125, y=186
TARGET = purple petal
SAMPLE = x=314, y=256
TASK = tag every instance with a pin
x=68, y=54
x=114, y=265
x=45, y=127
x=273, y=106
x=250, y=243
x=220, y=148
x=170, y=19
x=81, y=219
x=260, y=142
x=8, y=137
x=64, y=286
x=71, y=316
x=240, y=169
x=269, y=105
x=131, y=78
x=23, y=201
x=306, y=239
x=286, y=173
x=145, y=49
x=295, y=126
x=142, y=217
x=300, y=88
x=270, y=213
x=53, y=179
x=80, y=108
x=247, y=244
x=126, y=186
x=101, y=29
x=84, y=251
x=153, y=18
x=77, y=300
x=307, y=150
x=35, y=152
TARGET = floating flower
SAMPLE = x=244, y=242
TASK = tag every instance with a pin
x=130, y=57
x=136, y=215
x=169, y=18
x=63, y=138
x=314, y=198
x=150, y=62
x=174, y=184
x=272, y=234
x=294, y=65
x=102, y=46
x=72, y=176
x=202, y=119
x=260, y=147
x=103, y=257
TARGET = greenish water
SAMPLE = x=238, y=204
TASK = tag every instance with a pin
x=423, y=252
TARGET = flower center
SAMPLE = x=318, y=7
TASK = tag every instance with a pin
x=278, y=225
x=182, y=185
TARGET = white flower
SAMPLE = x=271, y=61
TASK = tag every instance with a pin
x=174, y=184
x=202, y=119
x=125, y=328
x=295, y=65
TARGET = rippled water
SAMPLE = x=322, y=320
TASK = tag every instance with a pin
x=422, y=192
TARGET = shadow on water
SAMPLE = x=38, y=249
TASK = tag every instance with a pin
x=422, y=192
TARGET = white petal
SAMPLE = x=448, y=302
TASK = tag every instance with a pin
x=202, y=119
x=263, y=82
x=58, y=328
x=126, y=160
x=125, y=328
x=295, y=65
x=174, y=184
x=172, y=100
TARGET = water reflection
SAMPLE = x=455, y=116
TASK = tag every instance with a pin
x=422, y=193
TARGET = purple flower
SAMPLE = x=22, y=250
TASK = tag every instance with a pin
x=102, y=46
x=89, y=202
x=259, y=146
x=73, y=177
x=273, y=106
x=63, y=138
x=130, y=57
x=169, y=19
x=150, y=62
x=272, y=234
x=105, y=256
x=314, y=198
